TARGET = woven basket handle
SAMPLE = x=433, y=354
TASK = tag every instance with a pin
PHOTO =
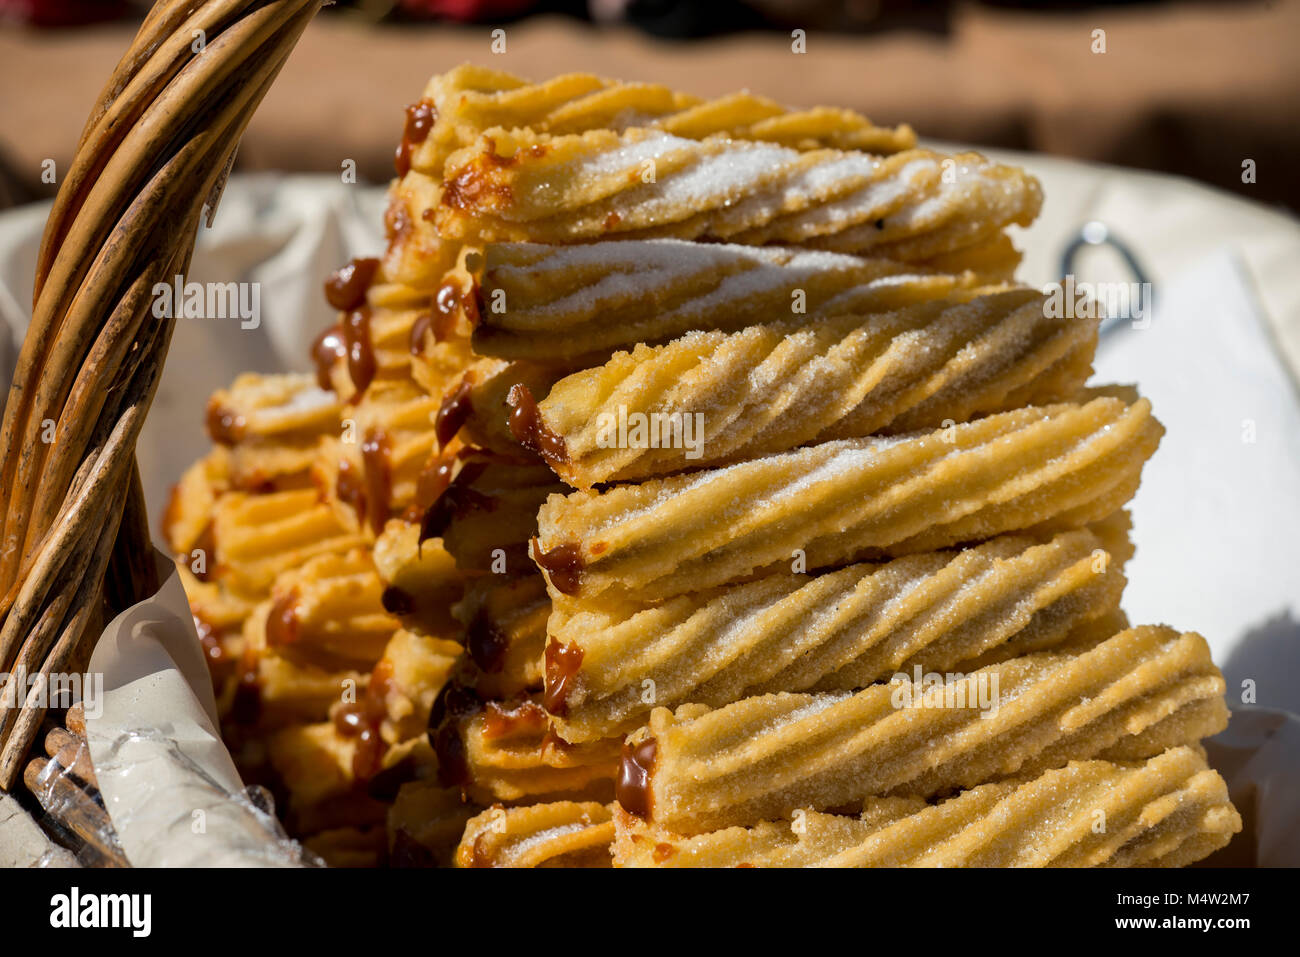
x=153, y=157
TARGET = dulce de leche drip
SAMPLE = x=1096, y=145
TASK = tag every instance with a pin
x=363, y=721
x=420, y=118
x=282, y=625
x=563, y=565
x=454, y=704
x=346, y=289
x=453, y=413
x=327, y=349
x=433, y=481
x=458, y=498
x=632, y=789
x=225, y=426
x=448, y=303
x=561, y=663
x=508, y=721
x=475, y=184
x=529, y=430
x=377, y=466
x=485, y=643
x=359, y=349
x=350, y=488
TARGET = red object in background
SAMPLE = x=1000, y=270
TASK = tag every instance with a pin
x=467, y=9
x=62, y=13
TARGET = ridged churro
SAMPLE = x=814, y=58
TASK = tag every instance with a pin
x=559, y=834
x=504, y=621
x=425, y=823
x=1130, y=697
x=837, y=631
x=488, y=513
x=522, y=186
x=547, y=302
x=505, y=752
x=1038, y=468
x=712, y=398
x=1170, y=810
x=457, y=106
x=258, y=536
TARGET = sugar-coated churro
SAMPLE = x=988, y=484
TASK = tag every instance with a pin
x=1170, y=810
x=1036, y=468
x=712, y=398
x=522, y=186
x=836, y=631
x=558, y=834
x=1132, y=696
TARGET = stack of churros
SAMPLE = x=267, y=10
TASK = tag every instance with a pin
x=691, y=484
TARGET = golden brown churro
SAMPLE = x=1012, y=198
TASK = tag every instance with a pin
x=505, y=752
x=712, y=398
x=522, y=186
x=457, y=106
x=836, y=631
x=1035, y=468
x=552, y=303
x=1127, y=698
x=1168, y=811
x=560, y=834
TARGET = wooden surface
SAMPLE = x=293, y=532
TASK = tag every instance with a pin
x=1183, y=88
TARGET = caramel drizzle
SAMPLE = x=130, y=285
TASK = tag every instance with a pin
x=282, y=625
x=363, y=721
x=225, y=426
x=360, y=350
x=420, y=118
x=455, y=410
x=632, y=789
x=561, y=665
x=475, y=186
x=500, y=721
x=458, y=498
x=345, y=290
x=376, y=461
x=350, y=489
x=563, y=565
x=327, y=349
x=529, y=430
x=454, y=704
x=485, y=643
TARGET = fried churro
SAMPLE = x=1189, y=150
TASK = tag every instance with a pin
x=1168, y=811
x=1037, y=468
x=713, y=398
x=559, y=834
x=836, y=631
x=548, y=303
x=457, y=106
x=1130, y=697
x=521, y=186
x=505, y=752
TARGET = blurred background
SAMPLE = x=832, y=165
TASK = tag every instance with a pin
x=1195, y=89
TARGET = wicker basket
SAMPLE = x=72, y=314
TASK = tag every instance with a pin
x=74, y=540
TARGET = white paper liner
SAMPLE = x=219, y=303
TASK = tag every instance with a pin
x=167, y=780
